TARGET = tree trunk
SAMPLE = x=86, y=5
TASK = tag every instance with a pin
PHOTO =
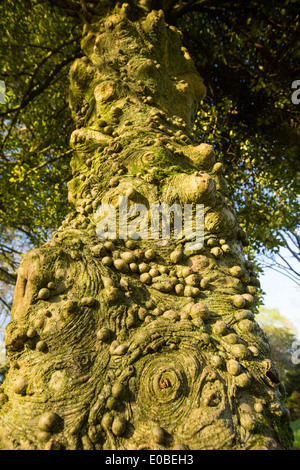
x=139, y=343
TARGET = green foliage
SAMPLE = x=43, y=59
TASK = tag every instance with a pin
x=37, y=48
x=281, y=335
x=293, y=404
x=38, y=44
x=292, y=381
x=248, y=55
x=296, y=428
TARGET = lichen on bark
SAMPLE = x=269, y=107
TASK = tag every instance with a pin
x=139, y=344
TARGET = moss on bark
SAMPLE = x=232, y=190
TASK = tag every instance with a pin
x=134, y=344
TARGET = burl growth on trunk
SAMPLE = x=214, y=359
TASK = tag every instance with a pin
x=139, y=343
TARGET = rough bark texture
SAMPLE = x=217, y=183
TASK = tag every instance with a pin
x=139, y=344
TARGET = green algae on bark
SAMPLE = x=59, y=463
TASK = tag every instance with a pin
x=139, y=344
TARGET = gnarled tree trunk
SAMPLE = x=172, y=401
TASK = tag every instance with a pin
x=139, y=344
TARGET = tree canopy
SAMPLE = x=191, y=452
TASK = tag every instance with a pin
x=248, y=55
x=282, y=336
x=249, y=60
x=138, y=341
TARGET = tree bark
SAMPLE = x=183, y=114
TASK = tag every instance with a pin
x=139, y=344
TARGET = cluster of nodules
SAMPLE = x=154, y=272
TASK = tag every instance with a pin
x=162, y=385
x=21, y=336
x=173, y=131
x=115, y=423
x=110, y=405
x=180, y=280
x=235, y=331
x=111, y=408
x=176, y=279
x=169, y=129
x=44, y=319
x=170, y=273
x=228, y=344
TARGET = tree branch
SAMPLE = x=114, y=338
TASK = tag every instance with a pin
x=8, y=248
x=72, y=8
x=48, y=162
x=9, y=278
x=33, y=93
x=37, y=89
x=295, y=255
x=196, y=5
x=284, y=270
x=8, y=306
x=289, y=266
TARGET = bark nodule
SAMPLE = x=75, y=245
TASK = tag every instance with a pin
x=139, y=343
